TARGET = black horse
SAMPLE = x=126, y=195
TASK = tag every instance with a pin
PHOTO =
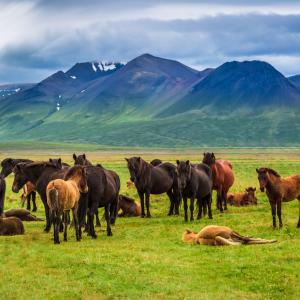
x=40, y=174
x=195, y=182
x=103, y=191
x=2, y=194
x=155, y=162
x=81, y=160
x=7, y=166
x=149, y=179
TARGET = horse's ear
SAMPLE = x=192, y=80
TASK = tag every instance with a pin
x=212, y=154
x=50, y=160
x=257, y=171
x=83, y=155
x=247, y=189
x=204, y=153
x=74, y=156
x=177, y=162
x=139, y=159
x=254, y=189
x=59, y=162
x=126, y=159
x=187, y=162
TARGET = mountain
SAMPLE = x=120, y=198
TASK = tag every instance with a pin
x=11, y=89
x=235, y=84
x=157, y=102
x=295, y=80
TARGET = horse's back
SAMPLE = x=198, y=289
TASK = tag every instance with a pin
x=225, y=173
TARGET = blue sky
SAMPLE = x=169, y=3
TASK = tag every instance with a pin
x=41, y=37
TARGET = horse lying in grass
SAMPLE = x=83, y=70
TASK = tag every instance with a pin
x=22, y=214
x=279, y=190
x=195, y=182
x=242, y=199
x=214, y=235
x=129, y=207
x=63, y=196
x=11, y=226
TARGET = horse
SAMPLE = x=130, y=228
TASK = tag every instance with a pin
x=103, y=191
x=195, y=182
x=22, y=214
x=2, y=193
x=223, y=177
x=40, y=174
x=81, y=160
x=149, y=179
x=279, y=190
x=155, y=162
x=11, y=226
x=129, y=207
x=214, y=235
x=242, y=198
x=62, y=196
x=29, y=192
x=7, y=166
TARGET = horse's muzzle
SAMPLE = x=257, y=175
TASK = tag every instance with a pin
x=15, y=189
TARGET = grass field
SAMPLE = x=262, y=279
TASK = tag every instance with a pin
x=146, y=258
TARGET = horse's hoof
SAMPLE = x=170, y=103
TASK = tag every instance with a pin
x=46, y=230
x=142, y=216
x=94, y=236
x=148, y=216
x=56, y=242
x=109, y=234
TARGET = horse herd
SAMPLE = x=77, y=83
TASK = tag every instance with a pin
x=84, y=187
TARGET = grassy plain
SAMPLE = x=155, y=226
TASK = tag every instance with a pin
x=145, y=258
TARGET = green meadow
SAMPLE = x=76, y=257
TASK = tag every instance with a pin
x=145, y=258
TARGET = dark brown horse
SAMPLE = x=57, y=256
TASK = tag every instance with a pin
x=223, y=177
x=2, y=193
x=11, y=226
x=279, y=190
x=22, y=214
x=81, y=160
x=149, y=179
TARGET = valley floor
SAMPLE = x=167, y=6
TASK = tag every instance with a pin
x=145, y=258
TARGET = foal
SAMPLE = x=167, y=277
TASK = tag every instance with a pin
x=63, y=195
x=279, y=190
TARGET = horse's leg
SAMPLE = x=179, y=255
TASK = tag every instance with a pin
x=171, y=209
x=107, y=218
x=33, y=198
x=65, y=217
x=98, y=224
x=148, y=204
x=48, y=223
x=279, y=212
x=185, y=206
x=28, y=202
x=273, y=208
x=199, y=204
x=141, y=195
x=56, y=225
x=224, y=196
x=91, y=213
x=209, y=201
x=219, y=201
x=192, y=208
x=76, y=224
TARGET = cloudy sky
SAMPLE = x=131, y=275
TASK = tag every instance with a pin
x=40, y=37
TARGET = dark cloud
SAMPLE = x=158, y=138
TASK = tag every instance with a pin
x=61, y=33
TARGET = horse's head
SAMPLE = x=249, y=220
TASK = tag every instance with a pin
x=56, y=162
x=20, y=177
x=263, y=178
x=184, y=170
x=81, y=160
x=7, y=166
x=134, y=167
x=209, y=158
x=251, y=195
x=78, y=174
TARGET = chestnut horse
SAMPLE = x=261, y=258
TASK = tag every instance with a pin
x=63, y=195
x=279, y=190
x=223, y=177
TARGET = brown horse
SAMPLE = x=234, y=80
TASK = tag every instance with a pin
x=11, y=226
x=63, y=195
x=214, y=235
x=242, y=198
x=129, y=207
x=22, y=214
x=223, y=177
x=279, y=190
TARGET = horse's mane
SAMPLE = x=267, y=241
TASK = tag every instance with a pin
x=273, y=172
x=38, y=164
x=71, y=172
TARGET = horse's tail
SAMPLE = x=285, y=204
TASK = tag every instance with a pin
x=53, y=199
x=249, y=240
